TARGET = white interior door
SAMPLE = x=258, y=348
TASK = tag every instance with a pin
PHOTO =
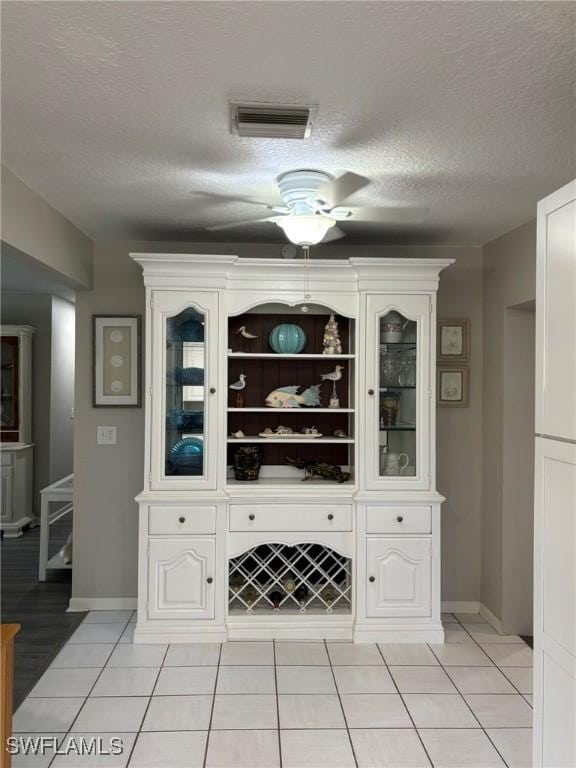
x=555, y=486
x=555, y=605
x=556, y=315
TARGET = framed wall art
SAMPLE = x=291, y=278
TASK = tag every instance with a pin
x=453, y=386
x=117, y=361
x=453, y=341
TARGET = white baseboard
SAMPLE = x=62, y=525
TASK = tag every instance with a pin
x=101, y=604
x=493, y=620
x=460, y=606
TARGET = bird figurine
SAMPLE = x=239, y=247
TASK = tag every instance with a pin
x=335, y=375
x=240, y=384
x=246, y=334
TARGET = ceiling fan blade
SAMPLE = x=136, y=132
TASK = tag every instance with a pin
x=334, y=233
x=393, y=215
x=238, y=199
x=234, y=224
x=337, y=190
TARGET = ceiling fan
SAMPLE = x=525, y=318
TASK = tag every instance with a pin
x=313, y=204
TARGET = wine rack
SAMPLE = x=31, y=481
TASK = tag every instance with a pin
x=281, y=578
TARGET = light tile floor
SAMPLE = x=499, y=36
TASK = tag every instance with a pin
x=463, y=704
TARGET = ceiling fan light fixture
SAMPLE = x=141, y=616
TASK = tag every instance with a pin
x=305, y=229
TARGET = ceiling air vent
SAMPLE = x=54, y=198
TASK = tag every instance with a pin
x=272, y=121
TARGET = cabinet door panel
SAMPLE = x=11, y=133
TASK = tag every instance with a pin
x=7, y=511
x=399, y=357
x=556, y=316
x=184, y=371
x=401, y=573
x=178, y=579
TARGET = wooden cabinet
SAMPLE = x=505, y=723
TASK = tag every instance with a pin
x=181, y=578
x=399, y=576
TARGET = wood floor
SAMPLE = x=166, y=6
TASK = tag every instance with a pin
x=39, y=607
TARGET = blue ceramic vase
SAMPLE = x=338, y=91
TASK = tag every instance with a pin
x=287, y=339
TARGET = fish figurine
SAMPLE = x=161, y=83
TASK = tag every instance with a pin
x=288, y=397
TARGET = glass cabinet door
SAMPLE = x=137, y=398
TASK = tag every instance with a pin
x=184, y=397
x=398, y=382
x=9, y=389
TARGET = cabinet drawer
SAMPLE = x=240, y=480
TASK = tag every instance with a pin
x=170, y=520
x=399, y=520
x=290, y=517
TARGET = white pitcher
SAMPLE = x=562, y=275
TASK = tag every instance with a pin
x=393, y=464
x=392, y=327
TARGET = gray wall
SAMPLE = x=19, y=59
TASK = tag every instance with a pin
x=509, y=281
x=108, y=477
x=35, y=228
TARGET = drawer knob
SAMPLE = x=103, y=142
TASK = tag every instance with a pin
x=209, y=579
x=251, y=517
x=370, y=392
x=181, y=519
x=372, y=579
x=399, y=519
x=330, y=516
x=212, y=390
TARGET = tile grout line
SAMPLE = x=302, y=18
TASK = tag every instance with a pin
x=341, y=704
x=139, y=731
x=404, y=704
x=469, y=707
x=93, y=685
x=212, y=708
x=277, y=702
x=496, y=665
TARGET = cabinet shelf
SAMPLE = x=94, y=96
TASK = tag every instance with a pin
x=291, y=440
x=276, y=356
x=290, y=410
x=399, y=428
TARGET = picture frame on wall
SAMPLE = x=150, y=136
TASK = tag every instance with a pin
x=117, y=368
x=453, y=386
x=453, y=341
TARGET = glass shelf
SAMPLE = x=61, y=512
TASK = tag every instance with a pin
x=399, y=428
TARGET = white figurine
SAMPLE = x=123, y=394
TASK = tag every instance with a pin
x=245, y=334
x=240, y=384
x=335, y=375
x=331, y=341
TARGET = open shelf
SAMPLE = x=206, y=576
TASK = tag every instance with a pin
x=278, y=483
x=289, y=440
x=280, y=356
x=290, y=410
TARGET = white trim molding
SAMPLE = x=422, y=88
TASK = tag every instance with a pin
x=78, y=604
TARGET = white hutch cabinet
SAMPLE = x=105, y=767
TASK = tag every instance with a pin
x=289, y=505
x=16, y=447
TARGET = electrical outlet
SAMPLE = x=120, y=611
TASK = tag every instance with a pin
x=106, y=435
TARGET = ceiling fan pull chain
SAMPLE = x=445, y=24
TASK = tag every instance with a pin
x=307, y=295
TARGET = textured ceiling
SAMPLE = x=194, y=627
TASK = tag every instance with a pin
x=117, y=112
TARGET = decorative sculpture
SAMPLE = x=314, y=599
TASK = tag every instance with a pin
x=288, y=397
x=331, y=341
x=319, y=469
